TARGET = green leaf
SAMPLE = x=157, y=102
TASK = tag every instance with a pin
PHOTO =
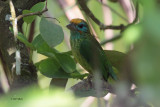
x=68, y=53
x=28, y=19
x=38, y=7
x=77, y=75
x=66, y=62
x=52, y=69
x=42, y=47
x=23, y=39
x=51, y=33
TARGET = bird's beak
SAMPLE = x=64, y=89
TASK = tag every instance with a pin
x=71, y=26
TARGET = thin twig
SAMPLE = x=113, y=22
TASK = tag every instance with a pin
x=46, y=5
x=120, y=27
x=90, y=14
x=35, y=13
x=31, y=31
x=137, y=13
x=114, y=11
x=119, y=36
x=110, y=40
x=87, y=11
x=31, y=14
x=53, y=18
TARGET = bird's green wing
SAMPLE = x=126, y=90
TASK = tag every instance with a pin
x=93, y=53
x=85, y=50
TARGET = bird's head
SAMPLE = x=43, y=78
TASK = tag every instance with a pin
x=78, y=25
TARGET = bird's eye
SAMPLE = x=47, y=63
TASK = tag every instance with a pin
x=80, y=26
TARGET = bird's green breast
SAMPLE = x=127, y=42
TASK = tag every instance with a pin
x=76, y=41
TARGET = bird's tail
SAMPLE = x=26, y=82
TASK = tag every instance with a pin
x=112, y=73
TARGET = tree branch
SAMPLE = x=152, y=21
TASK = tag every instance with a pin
x=120, y=27
x=87, y=11
x=31, y=14
x=8, y=47
x=15, y=30
x=13, y=19
x=119, y=36
x=86, y=88
x=137, y=13
x=114, y=11
x=112, y=39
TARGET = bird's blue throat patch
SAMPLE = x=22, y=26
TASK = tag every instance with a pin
x=76, y=35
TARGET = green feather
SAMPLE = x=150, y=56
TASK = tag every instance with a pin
x=90, y=55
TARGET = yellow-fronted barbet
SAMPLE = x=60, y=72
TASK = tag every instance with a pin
x=87, y=51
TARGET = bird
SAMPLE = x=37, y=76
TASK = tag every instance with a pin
x=87, y=51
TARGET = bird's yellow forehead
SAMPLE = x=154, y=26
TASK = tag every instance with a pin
x=76, y=21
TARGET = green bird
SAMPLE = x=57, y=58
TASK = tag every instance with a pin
x=87, y=50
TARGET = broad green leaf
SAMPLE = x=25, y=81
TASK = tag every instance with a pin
x=51, y=32
x=52, y=69
x=38, y=7
x=66, y=62
x=70, y=54
x=28, y=19
x=42, y=47
x=23, y=39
